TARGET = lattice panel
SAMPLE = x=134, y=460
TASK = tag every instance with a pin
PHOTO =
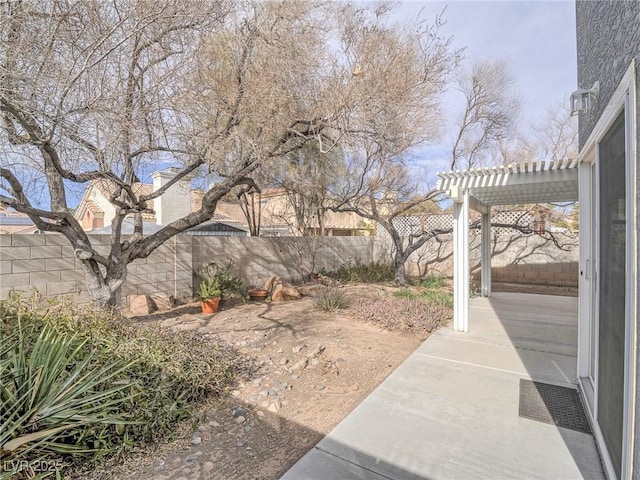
x=416, y=224
x=511, y=217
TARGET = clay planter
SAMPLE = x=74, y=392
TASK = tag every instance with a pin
x=210, y=305
x=258, y=295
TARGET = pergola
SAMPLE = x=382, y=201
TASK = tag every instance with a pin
x=482, y=188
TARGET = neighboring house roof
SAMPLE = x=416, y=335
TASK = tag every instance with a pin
x=127, y=228
x=13, y=222
x=217, y=229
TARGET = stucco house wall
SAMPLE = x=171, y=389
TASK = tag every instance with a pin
x=608, y=39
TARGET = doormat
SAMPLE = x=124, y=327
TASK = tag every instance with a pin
x=552, y=404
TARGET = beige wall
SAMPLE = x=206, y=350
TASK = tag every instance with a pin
x=292, y=258
x=47, y=262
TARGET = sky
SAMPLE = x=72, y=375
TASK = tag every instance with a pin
x=537, y=38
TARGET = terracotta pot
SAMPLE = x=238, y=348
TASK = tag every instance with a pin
x=210, y=305
x=257, y=295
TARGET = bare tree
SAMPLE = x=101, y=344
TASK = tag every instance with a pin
x=411, y=67
x=106, y=90
x=307, y=176
x=490, y=109
x=385, y=197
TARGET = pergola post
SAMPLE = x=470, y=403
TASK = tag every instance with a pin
x=461, y=261
x=486, y=253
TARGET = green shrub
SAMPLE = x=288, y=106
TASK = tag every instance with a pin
x=55, y=400
x=216, y=281
x=154, y=376
x=433, y=281
x=431, y=289
x=331, y=299
x=364, y=273
x=402, y=313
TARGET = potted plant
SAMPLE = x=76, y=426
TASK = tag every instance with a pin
x=209, y=293
x=216, y=284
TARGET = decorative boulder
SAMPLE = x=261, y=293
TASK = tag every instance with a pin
x=280, y=290
x=141, y=305
x=283, y=292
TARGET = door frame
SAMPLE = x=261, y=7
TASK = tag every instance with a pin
x=623, y=98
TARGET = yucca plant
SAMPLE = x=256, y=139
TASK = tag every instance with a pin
x=51, y=398
x=331, y=299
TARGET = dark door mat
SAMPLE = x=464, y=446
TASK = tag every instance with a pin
x=552, y=404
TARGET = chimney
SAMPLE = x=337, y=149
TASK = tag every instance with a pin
x=175, y=203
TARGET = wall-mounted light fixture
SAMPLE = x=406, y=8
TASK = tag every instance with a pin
x=583, y=100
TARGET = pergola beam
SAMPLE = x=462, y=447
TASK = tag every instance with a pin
x=477, y=205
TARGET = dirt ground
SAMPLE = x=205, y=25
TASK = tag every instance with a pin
x=313, y=368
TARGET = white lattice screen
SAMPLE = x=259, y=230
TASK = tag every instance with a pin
x=416, y=224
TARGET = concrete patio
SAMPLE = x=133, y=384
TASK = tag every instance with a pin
x=450, y=411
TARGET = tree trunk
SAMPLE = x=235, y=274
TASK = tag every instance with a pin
x=104, y=291
x=399, y=260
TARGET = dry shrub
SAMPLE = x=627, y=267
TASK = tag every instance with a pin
x=405, y=314
x=331, y=299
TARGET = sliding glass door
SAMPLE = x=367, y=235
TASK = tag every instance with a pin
x=611, y=283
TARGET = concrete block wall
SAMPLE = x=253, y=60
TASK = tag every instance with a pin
x=43, y=262
x=256, y=259
x=48, y=264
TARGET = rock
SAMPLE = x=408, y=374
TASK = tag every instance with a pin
x=213, y=423
x=201, y=428
x=299, y=365
x=190, y=459
x=284, y=292
x=196, y=441
x=273, y=408
x=284, y=361
x=315, y=362
x=271, y=283
x=260, y=413
x=265, y=404
x=141, y=305
x=208, y=467
x=240, y=420
x=297, y=348
x=241, y=443
x=295, y=377
x=162, y=301
x=272, y=393
x=239, y=412
x=320, y=386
